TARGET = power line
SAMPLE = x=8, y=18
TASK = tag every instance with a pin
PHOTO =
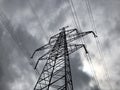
x=67, y=5
x=97, y=40
x=79, y=26
x=72, y=11
x=93, y=70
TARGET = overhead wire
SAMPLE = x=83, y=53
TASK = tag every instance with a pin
x=72, y=11
x=93, y=70
x=79, y=26
x=75, y=16
x=88, y=5
x=73, y=19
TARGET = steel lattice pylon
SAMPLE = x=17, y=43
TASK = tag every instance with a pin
x=57, y=72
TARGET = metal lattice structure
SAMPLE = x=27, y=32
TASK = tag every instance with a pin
x=56, y=73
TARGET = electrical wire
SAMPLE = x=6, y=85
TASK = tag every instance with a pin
x=67, y=5
x=79, y=26
x=98, y=41
x=93, y=70
x=75, y=16
x=72, y=12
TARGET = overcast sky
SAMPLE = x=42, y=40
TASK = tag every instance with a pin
x=29, y=24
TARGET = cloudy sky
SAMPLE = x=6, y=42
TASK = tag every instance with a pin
x=27, y=24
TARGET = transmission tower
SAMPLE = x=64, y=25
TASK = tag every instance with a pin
x=56, y=73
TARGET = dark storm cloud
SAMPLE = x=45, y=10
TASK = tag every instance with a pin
x=110, y=35
x=11, y=6
x=46, y=9
x=61, y=17
x=22, y=41
x=52, y=14
x=18, y=34
x=14, y=42
x=49, y=7
x=3, y=85
x=7, y=76
x=80, y=79
x=110, y=14
x=111, y=20
x=115, y=32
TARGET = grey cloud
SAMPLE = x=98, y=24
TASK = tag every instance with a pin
x=13, y=67
x=11, y=6
x=114, y=33
x=80, y=79
x=25, y=40
x=61, y=17
x=110, y=22
x=5, y=63
x=45, y=10
x=10, y=43
x=111, y=35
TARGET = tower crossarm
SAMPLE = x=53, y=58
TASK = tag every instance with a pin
x=54, y=38
x=70, y=37
x=74, y=47
x=71, y=49
x=75, y=36
x=43, y=57
x=50, y=44
x=47, y=46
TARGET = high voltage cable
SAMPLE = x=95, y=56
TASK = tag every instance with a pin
x=75, y=15
x=80, y=30
x=91, y=66
x=93, y=71
x=104, y=65
x=4, y=17
x=73, y=19
x=72, y=11
x=97, y=40
x=76, y=20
